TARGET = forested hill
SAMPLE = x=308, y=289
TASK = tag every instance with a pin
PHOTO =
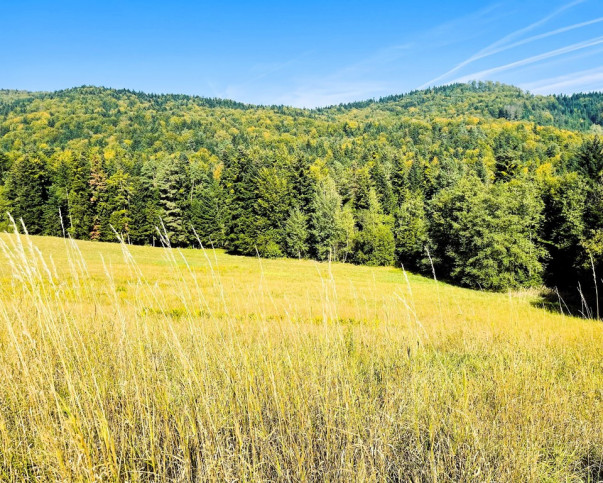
x=492, y=101
x=501, y=188
x=487, y=100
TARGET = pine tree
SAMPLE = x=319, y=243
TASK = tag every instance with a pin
x=564, y=228
x=416, y=176
x=384, y=188
x=363, y=184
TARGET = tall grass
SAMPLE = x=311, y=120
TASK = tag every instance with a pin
x=123, y=363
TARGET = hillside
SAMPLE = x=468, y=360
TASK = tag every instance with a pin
x=494, y=187
x=139, y=363
x=492, y=101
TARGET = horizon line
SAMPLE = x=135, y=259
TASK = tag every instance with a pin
x=465, y=82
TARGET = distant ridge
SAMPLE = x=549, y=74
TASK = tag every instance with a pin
x=490, y=100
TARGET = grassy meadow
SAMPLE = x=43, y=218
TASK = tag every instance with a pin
x=123, y=363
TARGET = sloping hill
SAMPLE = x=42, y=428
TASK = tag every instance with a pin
x=138, y=363
x=493, y=101
x=473, y=178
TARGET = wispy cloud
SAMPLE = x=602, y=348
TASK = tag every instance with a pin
x=502, y=45
x=258, y=72
x=463, y=28
x=531, y=60
x=264, y=70
x=366, y=76
x=349, y=82
x=362, y=79
x=590, y=79
x=377, y=59
x=330, y=92
x=357, y=80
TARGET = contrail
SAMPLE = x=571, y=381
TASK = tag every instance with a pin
x=531, y=60
x=555, y=83
x=495, y=49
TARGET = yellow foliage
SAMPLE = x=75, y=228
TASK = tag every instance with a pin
x=544, y=171
x=109, y=154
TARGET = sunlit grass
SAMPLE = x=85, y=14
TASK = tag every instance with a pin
x=136, y=363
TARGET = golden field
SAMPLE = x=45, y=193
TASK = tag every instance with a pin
x=122, y=363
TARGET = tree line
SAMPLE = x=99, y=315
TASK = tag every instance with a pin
x=490, y=202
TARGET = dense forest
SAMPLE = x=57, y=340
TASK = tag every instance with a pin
x=493, y=187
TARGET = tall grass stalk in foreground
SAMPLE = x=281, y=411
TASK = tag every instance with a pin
x=130, y=363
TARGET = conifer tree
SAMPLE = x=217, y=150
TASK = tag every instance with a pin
x=240, y=188
x=303, y=186
x=4, y=166
x=27, y=191
x=80, y=194
x=145, y=207
x=208, y=211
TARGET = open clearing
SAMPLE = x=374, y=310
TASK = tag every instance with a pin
x=137, y=363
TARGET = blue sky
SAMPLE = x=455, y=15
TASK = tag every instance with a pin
x=306, y=54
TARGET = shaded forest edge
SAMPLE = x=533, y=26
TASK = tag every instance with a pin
x=493, y=187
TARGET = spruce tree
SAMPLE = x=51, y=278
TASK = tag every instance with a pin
x=303, y=185
x=208, y=211
x=145, y=206
x=240, y=188
x=80, y=211
x=26, y=191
